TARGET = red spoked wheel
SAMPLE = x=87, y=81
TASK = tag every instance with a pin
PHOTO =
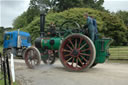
x=77, y=52
x=32, y=57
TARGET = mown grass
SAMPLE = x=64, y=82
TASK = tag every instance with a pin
x=119, y=52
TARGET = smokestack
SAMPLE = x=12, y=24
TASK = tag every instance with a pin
x=42, y=24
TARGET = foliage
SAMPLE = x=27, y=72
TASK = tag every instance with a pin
x=2, y=30
x=43, y=4
x=124, y=16
x=108, y=25
x=20, y=21
x=25, y=18
x=1, y=35
x=67, y=4
x=61, y=5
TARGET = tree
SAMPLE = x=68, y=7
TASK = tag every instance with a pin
x=66, y=4
x=61, y=5
x=43, y=5
x=20, y=21
x=1, y=35
x=124, y=16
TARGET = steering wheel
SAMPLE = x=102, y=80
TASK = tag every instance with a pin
x=66, y=28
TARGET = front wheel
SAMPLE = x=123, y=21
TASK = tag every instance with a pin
x=32, y=57
x=77, y=52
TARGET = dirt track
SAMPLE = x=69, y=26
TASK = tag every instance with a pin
x=102, y=74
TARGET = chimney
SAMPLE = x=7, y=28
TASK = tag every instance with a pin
x=42, y=24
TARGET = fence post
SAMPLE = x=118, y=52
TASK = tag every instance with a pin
x=4, y=68
x=8, y=70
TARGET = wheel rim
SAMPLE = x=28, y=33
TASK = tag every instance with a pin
x=77, y=52
x=32, y=57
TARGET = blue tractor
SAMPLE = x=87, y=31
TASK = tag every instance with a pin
x=16, y=42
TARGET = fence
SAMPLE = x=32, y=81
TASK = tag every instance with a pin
x=5, y=78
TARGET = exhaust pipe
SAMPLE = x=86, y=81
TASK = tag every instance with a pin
x=42, y=24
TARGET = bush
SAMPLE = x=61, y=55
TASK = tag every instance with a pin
x=108, y=25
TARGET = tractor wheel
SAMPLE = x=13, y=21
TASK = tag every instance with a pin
x=32, y=57
x=50, y=59
x=77, y=52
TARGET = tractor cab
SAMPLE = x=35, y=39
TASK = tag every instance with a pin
x=16, y=42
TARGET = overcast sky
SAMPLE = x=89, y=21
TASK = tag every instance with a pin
x=10, y=9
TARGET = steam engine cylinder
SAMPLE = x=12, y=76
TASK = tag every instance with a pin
x=48, y=43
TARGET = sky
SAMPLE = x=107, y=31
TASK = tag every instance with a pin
x=10, y=9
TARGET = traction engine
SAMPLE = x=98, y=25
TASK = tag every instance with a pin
x=76, y=51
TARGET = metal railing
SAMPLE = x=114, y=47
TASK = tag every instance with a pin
x=5, y=69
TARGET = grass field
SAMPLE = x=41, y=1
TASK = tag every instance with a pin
x=119, y=52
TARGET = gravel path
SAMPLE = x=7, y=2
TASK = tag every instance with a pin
x=102, y=74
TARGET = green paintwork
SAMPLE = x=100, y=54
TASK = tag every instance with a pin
x=102, y=46
x=46, y=43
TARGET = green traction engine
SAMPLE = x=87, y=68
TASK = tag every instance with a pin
x=71, y=44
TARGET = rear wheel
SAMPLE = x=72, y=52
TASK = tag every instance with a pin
x=77, y=52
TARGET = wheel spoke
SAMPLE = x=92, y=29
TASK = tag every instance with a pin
x=71, y=43
x=69, y=59
x=67, y=55
x=72, y=62
x=76, y=62
x=67, y=50
x=31, y=53
x=85, y=50
x=80, y=42
x=69, y=47
x=84, y=59
x=85, y=54
x=80, y=61
x=75, y=43
x=83, y=46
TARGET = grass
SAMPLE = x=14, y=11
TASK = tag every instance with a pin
x=1, y=49
x=2, y=81
x=119, y=52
